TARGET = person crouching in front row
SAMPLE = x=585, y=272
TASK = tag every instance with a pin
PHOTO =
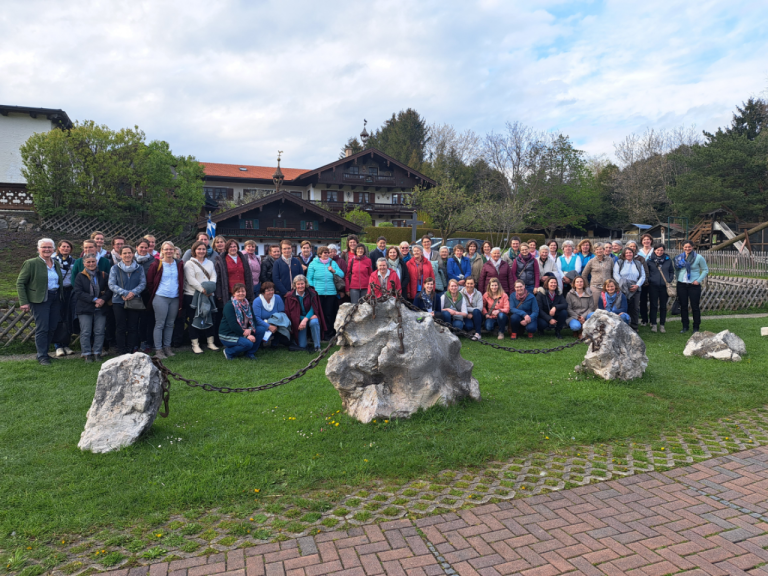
x=240, y=331
x=302, y=305
x=523, y=311
x=553, y=309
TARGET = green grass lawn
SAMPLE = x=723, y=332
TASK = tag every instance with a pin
x=216, y=449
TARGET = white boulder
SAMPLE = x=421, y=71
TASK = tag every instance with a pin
x=125, y=404
x=724, y=345
x=376, y=380
x=616, y=352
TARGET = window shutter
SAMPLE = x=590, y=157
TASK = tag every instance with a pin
x=303, y=225
x=230, y=193
x=274, y=222
x=324, y=195
x=242, y=224
x=255, y=224
x=316, y=225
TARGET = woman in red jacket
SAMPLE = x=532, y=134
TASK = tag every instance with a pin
x=496, y=268
x=383, y=277
x=419, y=270
x=358, y=273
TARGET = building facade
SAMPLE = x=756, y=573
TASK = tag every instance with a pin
x=17, y=124
x=369, y=180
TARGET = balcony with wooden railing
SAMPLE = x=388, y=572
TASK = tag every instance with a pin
x=377, y=207
x=276, y=233
x=370, y=179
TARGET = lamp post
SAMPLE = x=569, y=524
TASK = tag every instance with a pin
x=278, y=177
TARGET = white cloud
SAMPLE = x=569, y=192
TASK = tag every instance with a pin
x=236, y=81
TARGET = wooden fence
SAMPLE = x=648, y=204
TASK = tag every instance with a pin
x=755, y=264
x=81, y=227
x=721, y=293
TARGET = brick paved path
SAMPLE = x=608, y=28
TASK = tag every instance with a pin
x=703, y=519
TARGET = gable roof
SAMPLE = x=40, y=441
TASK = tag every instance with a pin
x=57, y=116
x=259, y=172
x=283, y=196
x=361, y=154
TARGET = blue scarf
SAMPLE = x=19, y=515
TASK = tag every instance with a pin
x=609, y=301
x=681, y=261
x=209, y=251
x=243, y=313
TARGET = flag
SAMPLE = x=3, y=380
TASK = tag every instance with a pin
x=211, y=229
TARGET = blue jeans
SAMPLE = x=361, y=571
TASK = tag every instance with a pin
x=92, y=324
x=475, y=322
x=500, y=320
x=456, y=321
x=314, y=327
x=624, y=316
x=560, y=316
x=47, y=315
x=244, y=346
x=517, y=328
x=574, y=324
x=256, y=289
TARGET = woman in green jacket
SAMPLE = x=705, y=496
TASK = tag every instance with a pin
x=40, y=285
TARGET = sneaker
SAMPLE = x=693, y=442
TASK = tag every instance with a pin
x=662, y=329
x=44, y=361
x=530, y=334
x=168, y=351
x=501, y=336
x=160, y=355
x=60, y=353
x=224, y=350
x=653, y=327
x=476, y=337
x=317, y=349
x=88, y=359
x=684, y=330
x=643, y=323
x=68, y=350
x=513, y=335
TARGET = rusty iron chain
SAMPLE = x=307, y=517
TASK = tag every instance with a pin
x=166, y=374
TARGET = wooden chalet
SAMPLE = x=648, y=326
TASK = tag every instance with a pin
x=283, y=215
x=369, y=180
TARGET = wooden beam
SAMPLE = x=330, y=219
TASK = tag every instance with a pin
x=740, y=237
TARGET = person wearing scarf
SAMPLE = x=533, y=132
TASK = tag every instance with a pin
x=459, y=266
x=64, y=257
x=321, y=272
x=126, y=282
x=249, y=253
x=90, y=293
x=383, y=278
x=419, y=269
x=117, y=249
x=525, y=268
x=145, y=259
x=496, y=267
x=303, y=308
x=453, y=305
x=691, y=269
x=661, y=271
x=358, y=273
x=613, y=300
x=396, y=263
x=240, y=331
x=514, y=250
x=474, y=320
x=548, y=265
x=476, y=260
x=285, y=269
x=440, y=268
x=630, y=274
x=553, y=309
x=427, y=298
x=523, y=311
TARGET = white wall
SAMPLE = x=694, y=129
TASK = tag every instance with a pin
x=15, y=129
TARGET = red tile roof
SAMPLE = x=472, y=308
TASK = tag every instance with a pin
x=233, y=171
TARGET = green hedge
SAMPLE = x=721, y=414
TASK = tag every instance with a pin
x=397, y=235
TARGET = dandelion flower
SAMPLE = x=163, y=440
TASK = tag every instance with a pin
x=546, y=437
x=365, y=460
x=386, y=421
x=256, y=490
x=337, y=423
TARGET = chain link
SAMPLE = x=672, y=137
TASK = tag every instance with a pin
x=166, y=374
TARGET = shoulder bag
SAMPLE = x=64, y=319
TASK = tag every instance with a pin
x=134, y=303
x=338, y=281
x=671, y=288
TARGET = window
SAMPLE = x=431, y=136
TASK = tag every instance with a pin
x=249, y=224
x=331, y=195
x=279, y=223
x=254, y=193
x=217, y=194
x=354, y=170
x=365, y=198
x=373, y=171
x=297, y=194
x=310, y=225
x=397, y=199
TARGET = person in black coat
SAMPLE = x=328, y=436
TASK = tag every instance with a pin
x=660, y=271
x=379, y=252
x=267, y=263
x=91, y=293
x=553, y=309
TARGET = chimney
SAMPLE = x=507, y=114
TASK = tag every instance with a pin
x=347, y=151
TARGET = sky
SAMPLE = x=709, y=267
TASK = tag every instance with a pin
x=233, y=82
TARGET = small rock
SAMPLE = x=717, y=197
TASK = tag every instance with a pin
x=3, y=224
x=724, y=345
x=128, y=396
x=375, y=380
x=764, y=331
x=616, y=351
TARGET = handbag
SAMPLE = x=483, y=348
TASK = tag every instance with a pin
x=134, y=303
x=671, y=288
x=675, y=308
x=339, y=284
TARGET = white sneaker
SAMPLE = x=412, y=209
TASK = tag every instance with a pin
x=60, y=353
x=662, y=329
x=653, y=327
x=68, y=351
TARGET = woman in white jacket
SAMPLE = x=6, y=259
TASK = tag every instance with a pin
x=548, y=265
x=196, y=271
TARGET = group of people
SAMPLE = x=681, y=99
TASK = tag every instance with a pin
x=137, y=298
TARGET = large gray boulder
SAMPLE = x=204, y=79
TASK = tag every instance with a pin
x=128, y=396
x=376, y=381
x=616, y=352
x=724, y=345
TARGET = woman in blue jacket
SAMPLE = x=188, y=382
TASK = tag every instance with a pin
x=459, y=267
x=523, y=311
x=691, y=271
x=613, y=301
x=320, y=275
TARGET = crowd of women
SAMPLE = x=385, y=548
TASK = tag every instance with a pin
x=133, y=298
